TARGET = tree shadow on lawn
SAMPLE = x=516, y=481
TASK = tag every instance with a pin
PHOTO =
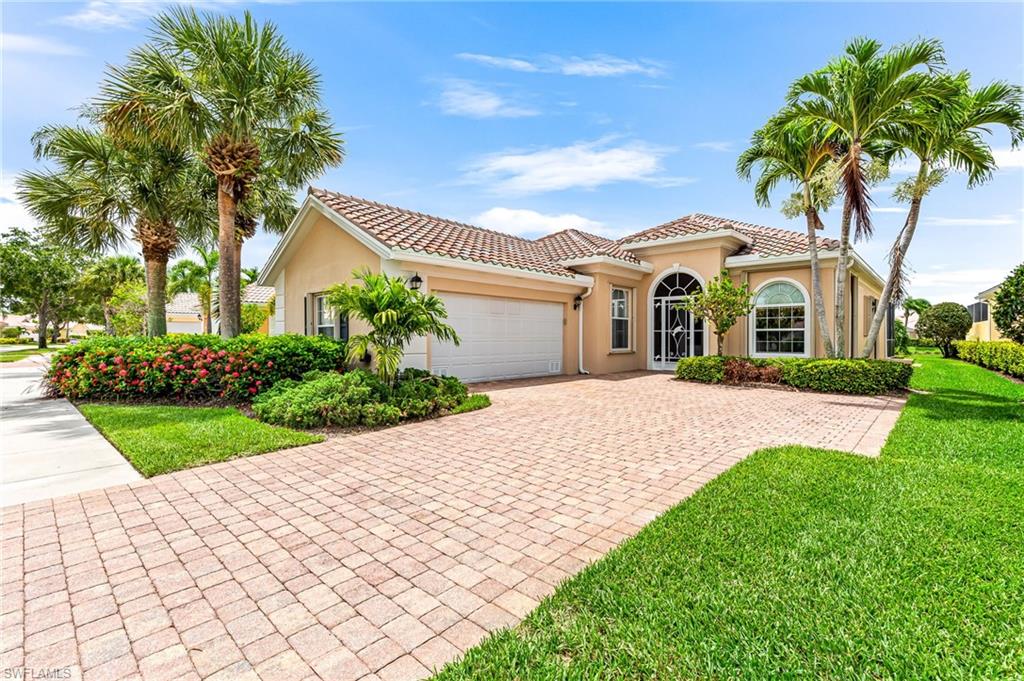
x=965, y=405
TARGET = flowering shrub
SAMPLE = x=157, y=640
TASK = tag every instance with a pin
x=187, y=366
x=853, y=376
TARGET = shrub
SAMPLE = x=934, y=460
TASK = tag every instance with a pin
x=17, y=341
x=11, y=332
x=187, y=366
x=943, y=324
x=472, y=403
x=1008, y=306
x=854, y=376
x=1005, y=356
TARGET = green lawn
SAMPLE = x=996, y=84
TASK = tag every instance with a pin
x=15, y=355
x=808, y=563
x=160, y=439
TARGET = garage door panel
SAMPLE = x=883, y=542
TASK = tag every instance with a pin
x=501, y=338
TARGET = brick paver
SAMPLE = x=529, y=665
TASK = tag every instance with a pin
x=382, y=554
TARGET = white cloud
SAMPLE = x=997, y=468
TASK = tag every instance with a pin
x=524, y=221
x=509, y=63
x=597, y=66
x=19, y=43
x=715, y=146
x=583, y=165
x=1009, y=158
x=100, y=15
x=464, y=98
x=889, y=209
x=959, y=286
x=994, y=221
x=12, y=213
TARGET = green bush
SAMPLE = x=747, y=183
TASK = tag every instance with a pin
x=183, y=366
x=1005, y=356
x=11, y=332
x=853, y=376
x=472, y=403
x=1008, y=306
x=945, y=323
x=17, y=341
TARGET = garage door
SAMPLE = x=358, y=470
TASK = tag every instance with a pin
x=501, y=338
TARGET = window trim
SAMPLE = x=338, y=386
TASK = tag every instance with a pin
x=338, y=324
x=752, y=320
x=629, y=318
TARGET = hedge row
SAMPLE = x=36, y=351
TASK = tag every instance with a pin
x=852, y=376
x=1005, y=356
x=183, y=366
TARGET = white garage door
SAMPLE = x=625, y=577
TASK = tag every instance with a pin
x=501, y=338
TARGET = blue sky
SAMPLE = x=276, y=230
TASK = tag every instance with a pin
x=535, y=117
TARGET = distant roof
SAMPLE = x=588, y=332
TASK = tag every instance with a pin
x=188, y=303
x=988, y=292
x=410, y=230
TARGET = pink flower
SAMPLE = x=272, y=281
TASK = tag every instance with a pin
x=103, y=366
x=203, y=373
x=122, y=372
x=234, y=374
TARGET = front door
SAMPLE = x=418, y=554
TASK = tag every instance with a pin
x=676, y=333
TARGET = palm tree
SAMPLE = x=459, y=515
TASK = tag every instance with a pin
x=861, y=99
x=235, y=91
x=913, y=306
x=394, y=314
x=953, y=139
x=190, y=276
x=799, y=154
x=102, y=193
x=250, y=275
x=105, y=275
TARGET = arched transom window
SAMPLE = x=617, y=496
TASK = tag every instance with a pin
x=780, y=320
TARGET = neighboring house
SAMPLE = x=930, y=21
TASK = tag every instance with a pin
x=984, y=327
x=185, y=314
x=567, y=302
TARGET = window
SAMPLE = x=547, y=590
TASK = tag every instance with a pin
x=326, y=324
x=620, y=318
x=780, y=320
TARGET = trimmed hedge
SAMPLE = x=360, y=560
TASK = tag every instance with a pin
x=1005, y=356
x=358, y=398
x=851, y=376
x=183, y=366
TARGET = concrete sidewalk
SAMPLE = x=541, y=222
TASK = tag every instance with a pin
x=47, y=448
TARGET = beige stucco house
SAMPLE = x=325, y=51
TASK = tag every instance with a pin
x=184, y=312
x=567, y=302
x=984, y=327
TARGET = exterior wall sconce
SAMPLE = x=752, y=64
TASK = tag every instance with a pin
x=415, y=282
x=576, y=302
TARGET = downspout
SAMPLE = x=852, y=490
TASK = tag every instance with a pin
x=579, y=336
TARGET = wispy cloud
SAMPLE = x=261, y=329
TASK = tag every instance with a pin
x=960, y=286
x=994, y=221
x=523, y=221
x=583, y=165
x=103, y=15
x=1009, y=158
x=716, y=146
x=889, y=209
x=12, y=213
x=20, y=43
x=596, y=66
x=465, y=98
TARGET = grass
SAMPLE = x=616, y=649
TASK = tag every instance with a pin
x=161, y=439
x=472, y=403
x=808, y=563
x=15, y=355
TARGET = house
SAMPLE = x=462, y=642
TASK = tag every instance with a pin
x=567, y=302
x=984, y=327
x=184, y=312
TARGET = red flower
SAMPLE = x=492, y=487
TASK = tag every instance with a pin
x=122, y=372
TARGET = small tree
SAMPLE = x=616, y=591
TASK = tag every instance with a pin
x=128, y=305
x=721, y=303
x=253, y=317
x=395, y=314
x=943, y=324
x=1008, y=308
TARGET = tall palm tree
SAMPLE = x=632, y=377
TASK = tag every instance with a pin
x=861, y=99
x=234, y=90
x=102, y=193
x=799, y=154
x=953, y=139
x=199, y=277
x=106, y=274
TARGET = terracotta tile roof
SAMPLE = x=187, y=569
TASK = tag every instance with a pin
x=405, y=229
x=257, y=295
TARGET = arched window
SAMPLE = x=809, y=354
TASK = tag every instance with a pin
x=780, y=320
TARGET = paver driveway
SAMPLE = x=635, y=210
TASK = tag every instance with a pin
x=386, y=552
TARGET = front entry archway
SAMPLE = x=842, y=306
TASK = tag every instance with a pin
x=674, y=333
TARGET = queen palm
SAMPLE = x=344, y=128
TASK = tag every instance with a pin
x=796, y=153
x=105, y=275
x=862, y=99
x=913, y=306
x=235, y=91
x=199, y=277
x=953, y=139
x=101, y=194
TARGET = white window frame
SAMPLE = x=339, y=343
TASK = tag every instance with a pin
x=320, y=301
x=752, y=320
x=628, y=319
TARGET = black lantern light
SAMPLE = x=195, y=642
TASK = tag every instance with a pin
x=415, y=282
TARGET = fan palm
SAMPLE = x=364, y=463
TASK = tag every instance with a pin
x=394, y=313
x=796, y=153
x=102, y=193
x=105, y=275
x=234, y=90
x=953, y=139
x=199, y=277
x=860, y=99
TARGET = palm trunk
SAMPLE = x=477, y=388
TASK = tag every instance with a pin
x=42, y=313
x=841, y=268
x=230, y=309
x=108, y=322
x=819, y=300
x=156, y=296
x=238, y=275
x=899, y=252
